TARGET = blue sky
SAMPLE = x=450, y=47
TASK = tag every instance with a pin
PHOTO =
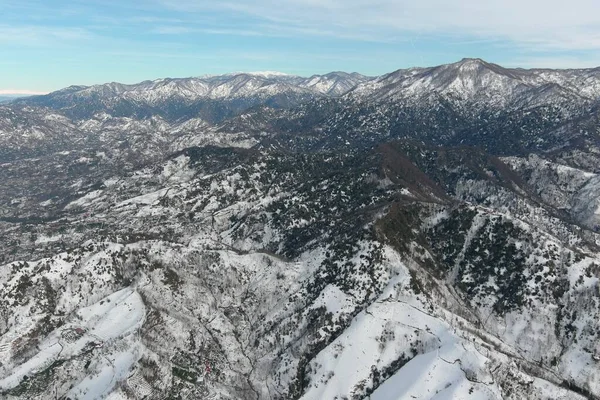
x=49, y=44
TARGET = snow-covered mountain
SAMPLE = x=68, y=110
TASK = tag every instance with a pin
x=469, y=83
x=333, y=83
x=211, y=97
x=432, y=233
x=477, y=80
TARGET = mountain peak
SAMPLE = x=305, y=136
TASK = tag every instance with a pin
x=268, y=74
x=260, y=74
x=480, y=64
x=470, y=60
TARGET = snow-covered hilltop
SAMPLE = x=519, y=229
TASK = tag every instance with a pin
x=475, y=80
x=433, y=233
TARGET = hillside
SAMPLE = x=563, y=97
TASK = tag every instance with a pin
x=432, y=233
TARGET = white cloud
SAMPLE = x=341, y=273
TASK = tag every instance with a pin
x=173, y=30
x=180, y=30
x=533, y=24
x=552, y=61
x=39, y=35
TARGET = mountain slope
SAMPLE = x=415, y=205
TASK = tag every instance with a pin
x=212, y=98
x=475, y=80
x=431, y=233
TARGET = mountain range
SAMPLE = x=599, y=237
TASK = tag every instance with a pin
x=431, y=233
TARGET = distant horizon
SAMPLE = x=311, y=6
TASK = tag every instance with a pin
x=9, y=93
x=16, y=93
x=51, y=44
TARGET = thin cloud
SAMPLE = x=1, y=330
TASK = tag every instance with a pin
x=183, y=30
x=40, y=35
x=545, y=24
x=563, y=62
x=271, y=30
x=172, y=30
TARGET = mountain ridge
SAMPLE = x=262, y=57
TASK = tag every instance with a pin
x=276, y=74
x=470, y=80
x=433, y=233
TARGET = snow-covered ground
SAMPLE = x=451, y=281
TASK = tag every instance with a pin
x=114, y=319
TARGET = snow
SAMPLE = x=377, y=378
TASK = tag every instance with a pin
x=386, y=331
x=86, y=200
x=48, y=239
x=178, y=170
x=438, y=375
x=267, y=74
x=145, y=199
x=112, y=370
x=116, y=316
x=334, y=300
x=43, y=359
x=213, y=282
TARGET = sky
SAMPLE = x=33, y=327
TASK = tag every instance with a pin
x=46, y=45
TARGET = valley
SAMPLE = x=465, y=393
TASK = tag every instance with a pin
x=431, y=233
